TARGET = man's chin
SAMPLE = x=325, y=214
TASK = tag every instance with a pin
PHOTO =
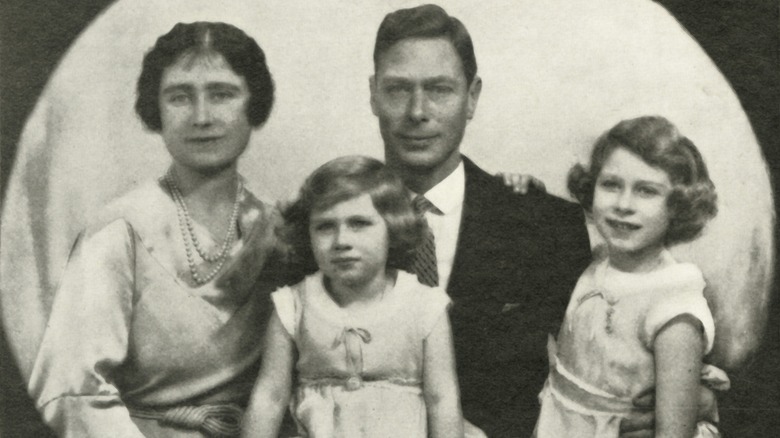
x=419, y=160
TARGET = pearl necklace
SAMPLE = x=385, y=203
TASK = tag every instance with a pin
x=188, y=233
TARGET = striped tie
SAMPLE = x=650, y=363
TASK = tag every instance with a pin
x=425, y=258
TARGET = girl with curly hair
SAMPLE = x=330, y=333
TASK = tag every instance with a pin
x=369, y=347
x=637, y=320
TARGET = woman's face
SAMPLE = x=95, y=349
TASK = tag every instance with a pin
x=629, y=204
x=203, y=112
x=350, y=241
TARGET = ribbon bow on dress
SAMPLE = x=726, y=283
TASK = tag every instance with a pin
x=353, y=340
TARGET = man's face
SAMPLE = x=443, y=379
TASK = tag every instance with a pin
x=420, y=95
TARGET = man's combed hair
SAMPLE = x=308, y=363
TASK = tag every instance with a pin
x=240, y=51
x=426, y=21
x=343, y=179
x=657, y=141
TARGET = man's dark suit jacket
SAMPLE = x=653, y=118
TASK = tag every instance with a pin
x=518, y=258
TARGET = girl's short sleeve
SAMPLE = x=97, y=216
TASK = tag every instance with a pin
x=433, y=306
x=682, y=297
x=287, y=303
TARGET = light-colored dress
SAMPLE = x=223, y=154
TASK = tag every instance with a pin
x=360, y=375
x=129, y=338
x=603, y=357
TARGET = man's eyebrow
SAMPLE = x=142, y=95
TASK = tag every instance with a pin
x=394, y=78
x=441, y=78
x=430, y=80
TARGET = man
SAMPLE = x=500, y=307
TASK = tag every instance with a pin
x=508, y=262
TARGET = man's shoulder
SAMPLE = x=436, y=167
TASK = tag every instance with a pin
x=536, y=205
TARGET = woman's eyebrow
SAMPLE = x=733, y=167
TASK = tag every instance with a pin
x=177, y=87
x=222, y=86
x=183, y=86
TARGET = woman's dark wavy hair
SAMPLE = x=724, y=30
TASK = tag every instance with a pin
x=343, y=179
x=240, y=51
x=657, y=141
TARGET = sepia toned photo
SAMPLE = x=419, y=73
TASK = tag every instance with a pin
x=389, y=219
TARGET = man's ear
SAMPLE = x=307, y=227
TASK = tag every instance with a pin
x=372, y=89
x=474, y=91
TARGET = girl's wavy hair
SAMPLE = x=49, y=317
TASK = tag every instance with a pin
x=692, y=201
x=343, y=179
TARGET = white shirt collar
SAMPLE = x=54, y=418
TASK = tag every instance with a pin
x=448, y=194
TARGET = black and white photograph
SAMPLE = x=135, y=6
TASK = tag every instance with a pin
x=355, y=219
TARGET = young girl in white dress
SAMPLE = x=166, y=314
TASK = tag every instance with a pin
x=637, y=319
x=369, y=347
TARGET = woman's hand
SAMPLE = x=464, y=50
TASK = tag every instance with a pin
x=522, y=183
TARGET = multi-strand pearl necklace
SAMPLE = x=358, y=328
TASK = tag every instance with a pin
x=188, y=233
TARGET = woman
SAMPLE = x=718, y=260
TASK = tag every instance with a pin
x=143, y=339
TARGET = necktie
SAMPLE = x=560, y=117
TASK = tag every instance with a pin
x=425, y=257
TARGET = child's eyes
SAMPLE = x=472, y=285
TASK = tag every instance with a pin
x=353, y=224
x=324, y=226
x=359, y=223
x=647, y=191
x=609, y=184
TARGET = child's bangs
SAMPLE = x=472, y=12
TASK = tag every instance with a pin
x=339, y=190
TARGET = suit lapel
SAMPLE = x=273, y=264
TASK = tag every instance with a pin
x=473, y=232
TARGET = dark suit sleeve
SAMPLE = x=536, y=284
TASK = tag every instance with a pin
x=519, y=257
x=555, y=258
x=552, y=250
x=566, y=255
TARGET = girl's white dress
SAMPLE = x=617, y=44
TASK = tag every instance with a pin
x=360, y=375
x=603, y=357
